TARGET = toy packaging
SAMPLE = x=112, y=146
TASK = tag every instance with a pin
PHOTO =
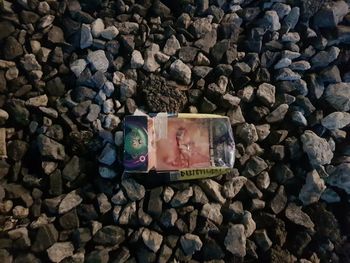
x=182, y=146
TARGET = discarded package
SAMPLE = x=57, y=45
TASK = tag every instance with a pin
x=181, y=146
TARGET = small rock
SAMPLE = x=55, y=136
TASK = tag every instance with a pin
x=136, y=60
x=297, y=216
x=180, y=71
x=78, y=66
x=103, y=203
x=86, y=39
x=317, y=149
x=248, y=223
x=46, y=236
x=271, y=21
x=150, y=64
x=339, y=177
x=152, y=239
x=286, y=74
x=247, y=133
x=12, y=49
x=110, y=32
x=109, y=236
x=50, y=148
x=70, y=201
x=331, y=14
x=278, y=203
x=338, y=96
x=97, y=27
x=262, y=239
x=312, y=189
x=232, y=187
x=98, y=60
x=212, y=189
x=336, y=120
x=134, y=190
x=235, y=240
x=181, y=197
x=212, y=212
x=20, y=212
x=39, y=101
x=263, y=131
x=59, y=251
x=325, y=57
x=278, y=114
x=283, y=63
x=30, y=63
x=55, y=35
x=108, y=155
x=168, y=194
x=169, y=217
x=190, y=243
x=171, y=46
x=107, y=172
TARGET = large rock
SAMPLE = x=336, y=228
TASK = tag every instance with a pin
x=318, y=149
x=312, y=189
x=235, y=240
x=338, y=96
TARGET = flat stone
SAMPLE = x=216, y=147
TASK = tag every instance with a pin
x=152, y=239
x=278, y=114
x=317, y=149
x=59, y=251
x=325, y=57
x=70, y=201
x=297, y=216
x=235, y=240
x=39, y=101
x=312, y=189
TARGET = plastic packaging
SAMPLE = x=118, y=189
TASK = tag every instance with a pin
x=183, y=146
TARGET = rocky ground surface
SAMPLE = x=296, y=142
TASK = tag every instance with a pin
x=71, y=70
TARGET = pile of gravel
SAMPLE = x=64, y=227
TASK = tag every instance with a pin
x=71, y=70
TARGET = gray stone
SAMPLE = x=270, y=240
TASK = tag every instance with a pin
x=301, y=65
x=283, y=63
x=212, y=189
x=169, y=217
x=127, y=89
x=190, y=243
x=331, y=14
x=30, y=63
x=235, y=240
x=107, y=172
x=97, y=27
x=85, y=36
x=271, y=21
x=262, y=239
x=133, y=189
x=181, y=197
x=98, y=60
x=109, y=236
x=325, y=57
x=94, y=111
x=297, y=216
x=278, y=203
x=278, y=114
x=20, y=212
x=70, y=201
x=152, y=239
x=110, y=32
x=46, y=236
x=292, y=18
x=150, y=64
x=340, y=178
x=172, y=45
x=50, y=148
x=212, y=212
x=180, y=71
x=108, y=155
x=78, y=66
x=247, y=133
x=59, y=251
x=266, y=93
x=317, y=149
x=281, y=9
x=12, y=48
x=312, y=189
x=254, y=166
x=136, y=60
x=232, y=187
x=338, y=96
x=286, y=74
x=298, y=118
x=249, y=224
x=103, y=203
x=330, y=196
x=263, y=131
x=128, y=215
x=168, y=194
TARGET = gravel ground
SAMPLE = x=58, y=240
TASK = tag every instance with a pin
x=71, y=70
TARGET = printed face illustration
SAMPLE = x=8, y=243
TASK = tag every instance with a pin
x=186, y=145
